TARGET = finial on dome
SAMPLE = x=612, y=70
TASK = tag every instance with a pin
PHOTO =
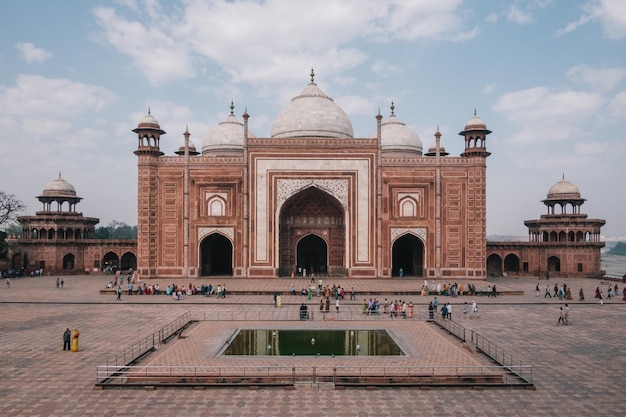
x=392, y=108
x=312, y=76
x=563, y=175
x=232, y=108
x=474, y=111
x=59, y=174
x=148, y=109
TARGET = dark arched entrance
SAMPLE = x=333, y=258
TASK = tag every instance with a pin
x=408, y=254
x=68, y=262
x=216, y=256
x=313, y=254
x=554, y=264
x=511, y=263
x=309, y=214
x=494, y=265
x=110, y=262
x=129, y=260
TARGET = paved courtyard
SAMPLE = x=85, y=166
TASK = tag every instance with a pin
x=578, y=369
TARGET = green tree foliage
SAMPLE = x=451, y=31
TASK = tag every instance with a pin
x=116, y=230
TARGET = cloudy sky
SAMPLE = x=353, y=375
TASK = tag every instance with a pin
x=547, y=76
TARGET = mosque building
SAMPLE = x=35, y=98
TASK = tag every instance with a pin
x=311, y=198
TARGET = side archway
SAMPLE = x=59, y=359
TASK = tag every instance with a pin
x=407, y=256
x=216, y=255
x=494, y=265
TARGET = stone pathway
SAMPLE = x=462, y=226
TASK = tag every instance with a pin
x=578, y=369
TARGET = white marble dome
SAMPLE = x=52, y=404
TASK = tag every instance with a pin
x=227, y=136
x=59, y=188
x=148, y=121
x=563, y=190
x=312, y=114
x=396, y=136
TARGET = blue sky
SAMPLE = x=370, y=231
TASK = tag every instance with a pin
x=547, y=76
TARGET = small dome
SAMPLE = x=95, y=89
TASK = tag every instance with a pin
x=59, y=188
x=475, y=124
x=563, y=190
x=228, y=135
x=312, y=113
x=396, y=136
x=192, y=149
x=149, y=121
x=432, y=150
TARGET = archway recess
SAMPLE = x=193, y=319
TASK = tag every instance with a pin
x=309, y=221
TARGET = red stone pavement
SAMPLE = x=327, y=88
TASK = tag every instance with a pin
x=579, y=370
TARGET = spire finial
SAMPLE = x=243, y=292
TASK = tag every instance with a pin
x=232, y=108
x=312, y=76
x=392, y=108
x=59, y=174
x=474, y=111
x=563, y=175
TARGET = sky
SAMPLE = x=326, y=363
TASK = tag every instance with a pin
x=548, y=77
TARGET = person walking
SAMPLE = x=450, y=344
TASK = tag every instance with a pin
x=8, y=283
x=449, y=310
x=566, y=315
x=561, y=316
x=537, y=290
x=547, y=294
x=67, y=337
x=62, y=283
x=119, y=293
x=475, y=309
x=337, y=305
x=58, y=282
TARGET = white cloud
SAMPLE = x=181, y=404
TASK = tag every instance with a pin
x=30, y=53
x=488, y=88
x=270, y=41
x=385, y=69
x=612, y=17
x=54, y=98
x=611, y=14
x=516, y=15
x=543, y=115
x=616, y=109
x=602, y=79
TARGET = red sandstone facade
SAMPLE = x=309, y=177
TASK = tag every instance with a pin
x=311, y=197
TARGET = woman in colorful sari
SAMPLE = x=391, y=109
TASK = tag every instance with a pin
x=75, y=335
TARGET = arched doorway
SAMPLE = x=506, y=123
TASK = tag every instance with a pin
x=216, y=255
x=314, y=219
x=110, y=262
x=511, y=263
x=554, y=264
x=408, y=255
x=494, y=265
x=129, y=260
x=313, y=254
x=68, y=261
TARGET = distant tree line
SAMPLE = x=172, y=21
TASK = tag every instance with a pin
x=116, y=230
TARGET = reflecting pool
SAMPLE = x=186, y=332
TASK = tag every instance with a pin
x=255, y=342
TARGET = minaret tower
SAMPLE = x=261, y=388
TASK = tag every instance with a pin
x=149, y=135
x=475, y=234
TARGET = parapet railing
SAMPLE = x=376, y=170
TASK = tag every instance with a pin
x=520, y=368
x=283, y=314
x=129, y=355
x=141, y=376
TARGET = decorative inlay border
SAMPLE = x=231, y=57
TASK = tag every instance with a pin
x=229, y=232
x=417, y=231
x=286, y=188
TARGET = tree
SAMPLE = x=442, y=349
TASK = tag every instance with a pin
x=10, y=208
x=116, y=230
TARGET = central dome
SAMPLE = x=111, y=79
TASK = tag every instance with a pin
x=312, y=113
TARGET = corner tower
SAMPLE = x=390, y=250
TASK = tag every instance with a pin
x=475, y=249
x=148, y=152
